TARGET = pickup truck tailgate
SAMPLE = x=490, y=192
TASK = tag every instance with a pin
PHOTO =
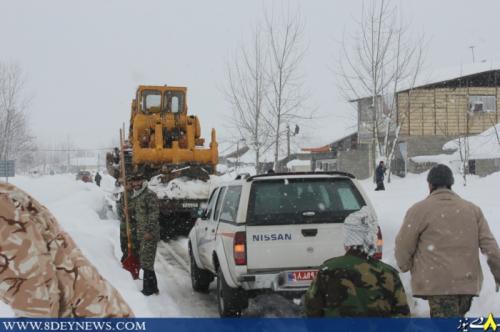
x=300, y=246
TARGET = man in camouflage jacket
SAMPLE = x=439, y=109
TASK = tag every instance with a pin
x=357, y=285
x=145, y=211
x=42, y=271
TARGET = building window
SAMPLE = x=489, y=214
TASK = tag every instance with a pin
x=326, y=165
x=478, y=104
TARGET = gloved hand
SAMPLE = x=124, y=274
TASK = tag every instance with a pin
x=148, y=236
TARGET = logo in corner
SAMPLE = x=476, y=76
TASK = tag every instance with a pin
x=487, y=324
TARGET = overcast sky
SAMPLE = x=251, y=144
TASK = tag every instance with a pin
x=84, y=59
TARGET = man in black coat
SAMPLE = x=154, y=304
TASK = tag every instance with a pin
x=97, y=179
x=379, y=176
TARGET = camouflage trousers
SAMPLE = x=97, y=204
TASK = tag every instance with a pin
x=445, y=306
x=148, y=253
x=123, y=238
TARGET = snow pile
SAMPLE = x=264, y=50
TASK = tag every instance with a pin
x=392, y=204
x=482, y=146
x=180, y=188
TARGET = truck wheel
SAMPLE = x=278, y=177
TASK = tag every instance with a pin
x=231, y=301
x=200, y=279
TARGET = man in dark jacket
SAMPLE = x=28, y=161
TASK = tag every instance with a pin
x=97, y=179
x=439, y=244
x=379, y=176
x=356, y=284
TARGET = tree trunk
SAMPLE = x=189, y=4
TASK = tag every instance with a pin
x=276, y=146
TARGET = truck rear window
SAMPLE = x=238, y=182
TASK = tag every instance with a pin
x=302, y=201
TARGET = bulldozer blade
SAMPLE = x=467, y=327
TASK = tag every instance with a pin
x=131, y=264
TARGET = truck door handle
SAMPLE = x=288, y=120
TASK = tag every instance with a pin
x=310, y=232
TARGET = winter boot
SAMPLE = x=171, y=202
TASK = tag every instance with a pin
x=150, y=284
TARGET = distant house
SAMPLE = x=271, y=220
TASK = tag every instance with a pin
x=458, y=106
x=298, y=165
x=344, y=154
x=459, y=102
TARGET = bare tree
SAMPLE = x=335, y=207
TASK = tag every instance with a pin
x=285, y=99
x=246, y=91
x=495, y=129
x=379, y=60
x=464, y=147
x=15, y=139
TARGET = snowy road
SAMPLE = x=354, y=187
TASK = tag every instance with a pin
x=172, y=269
x=172, y=266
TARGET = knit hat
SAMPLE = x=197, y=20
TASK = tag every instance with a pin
x=440, y=176
x=360, y=230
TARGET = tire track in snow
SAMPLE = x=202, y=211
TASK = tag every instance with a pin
x=175, y=259
x=172, y=271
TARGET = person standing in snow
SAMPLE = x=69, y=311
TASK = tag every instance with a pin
x=97, y=179
x=42, y=271
x=356, y=284
x=439, y=244
x=379, y=176
x=146, y=211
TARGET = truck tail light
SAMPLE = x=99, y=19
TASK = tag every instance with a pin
x=380, y=244
x=240, y=248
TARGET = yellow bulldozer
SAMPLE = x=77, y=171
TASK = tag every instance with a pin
x=165, y=145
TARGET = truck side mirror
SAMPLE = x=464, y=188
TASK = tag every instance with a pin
x=202, y=211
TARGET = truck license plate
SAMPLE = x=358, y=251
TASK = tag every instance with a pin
x=299, y=276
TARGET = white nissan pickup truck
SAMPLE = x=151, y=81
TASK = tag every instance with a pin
x=271, y=233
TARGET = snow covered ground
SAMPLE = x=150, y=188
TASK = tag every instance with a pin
x=81, y=210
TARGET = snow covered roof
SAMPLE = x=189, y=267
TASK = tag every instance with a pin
x=298, y=162
x=326, y=147
x=443, y=75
